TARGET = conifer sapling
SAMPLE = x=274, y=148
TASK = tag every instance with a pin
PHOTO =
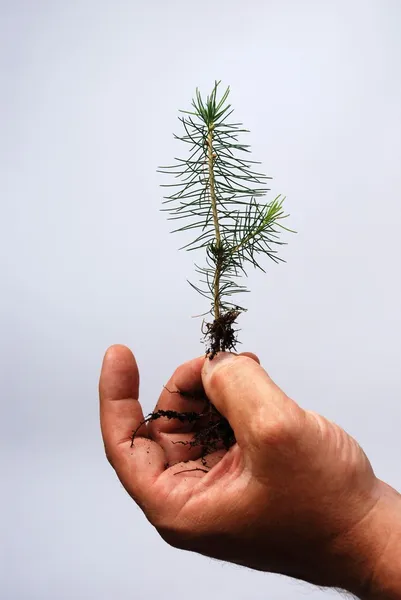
x=217, y=197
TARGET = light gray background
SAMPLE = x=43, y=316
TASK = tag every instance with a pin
x=89, y=99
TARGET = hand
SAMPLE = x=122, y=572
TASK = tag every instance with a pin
x=295, y=495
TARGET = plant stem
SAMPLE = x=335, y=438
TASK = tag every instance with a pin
x=213, y=199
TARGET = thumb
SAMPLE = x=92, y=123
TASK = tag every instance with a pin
x=244, y=394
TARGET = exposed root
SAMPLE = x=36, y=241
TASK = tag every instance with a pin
x=196, y=395
x=221, y=335
x=211, y=436
x=215, y=433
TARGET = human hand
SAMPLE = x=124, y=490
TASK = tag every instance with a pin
x=295, y=495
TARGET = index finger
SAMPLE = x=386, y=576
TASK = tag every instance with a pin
x=183, y=393
x=120, y=411
x=137, y=466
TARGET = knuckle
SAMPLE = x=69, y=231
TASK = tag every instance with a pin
x=282, y=429
x=176, y=374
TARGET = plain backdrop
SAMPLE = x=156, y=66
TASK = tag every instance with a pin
x=89, y=97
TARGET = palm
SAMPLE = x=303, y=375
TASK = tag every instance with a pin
x=162, y=470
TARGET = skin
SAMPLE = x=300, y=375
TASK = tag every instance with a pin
x=295, y=495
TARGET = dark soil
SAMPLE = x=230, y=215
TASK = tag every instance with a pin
x=221, y=335
x=211, y=436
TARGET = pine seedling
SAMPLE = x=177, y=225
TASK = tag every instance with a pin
x=218, y=198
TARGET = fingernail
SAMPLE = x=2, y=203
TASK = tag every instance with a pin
x=211, y=364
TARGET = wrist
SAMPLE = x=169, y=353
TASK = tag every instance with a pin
x=373, y=550
x=385, y=580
